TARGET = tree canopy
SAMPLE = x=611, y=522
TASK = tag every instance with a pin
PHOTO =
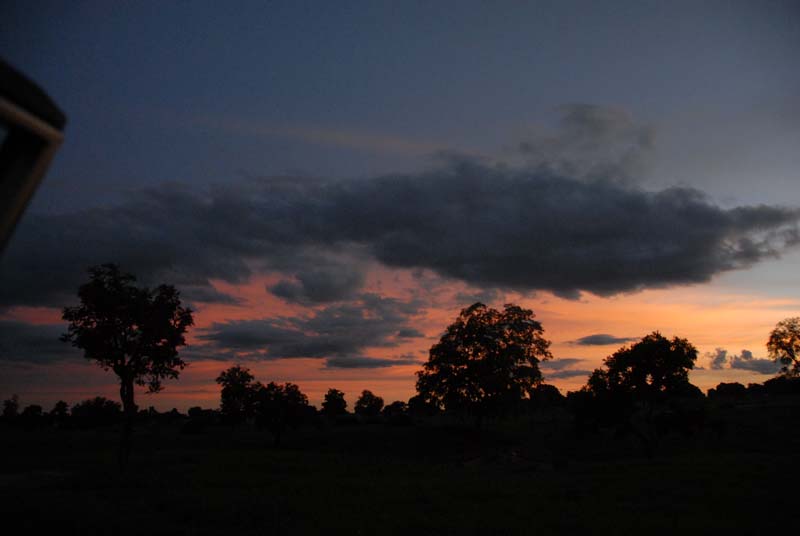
x=134, y=331
x=784, y=345
x=334, y=403
x=237, y=393
x=277, y=406
x=654, y=365
x=368, y=404
x=486, y=362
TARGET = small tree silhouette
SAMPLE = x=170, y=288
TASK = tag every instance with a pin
x=134, y=331
x=334, y=403
x=368, y=405
x=642, y=385
x=784, y=345
x=278, y=406
x=10, y=408
x=237, y=393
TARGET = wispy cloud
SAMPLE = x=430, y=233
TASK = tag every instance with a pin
x=324, y=135
x=601, y=339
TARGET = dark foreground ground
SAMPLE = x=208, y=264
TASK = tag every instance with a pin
x=738, y=477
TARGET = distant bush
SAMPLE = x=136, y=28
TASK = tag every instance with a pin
x=368, y=405
x=782, y=385
x=97, y=411
x=730, y=391
x=334, y=403
x=10, y=408
x=546, y=396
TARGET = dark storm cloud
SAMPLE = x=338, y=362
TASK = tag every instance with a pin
x=746, y=361
x=550, y=225
x=320, y=284
x=341, y=330
x=487, y=296
x=409, y=333
x=34, y=343
x=601, y=339
x=358, y=362
x=717, y=359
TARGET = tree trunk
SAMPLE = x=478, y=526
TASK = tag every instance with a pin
x=129, y=413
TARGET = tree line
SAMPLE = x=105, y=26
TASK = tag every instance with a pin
x=486, y=366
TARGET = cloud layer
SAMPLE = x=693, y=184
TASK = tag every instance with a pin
x=487, y=225
x=566, y=217
x=719, y=358
x=601, y=339
x=338, y=332
x=34, y=343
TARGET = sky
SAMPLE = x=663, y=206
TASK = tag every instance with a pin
x=329, y=183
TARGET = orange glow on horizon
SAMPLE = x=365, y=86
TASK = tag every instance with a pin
x=710, y=316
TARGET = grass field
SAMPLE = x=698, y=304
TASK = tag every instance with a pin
x=515, y=478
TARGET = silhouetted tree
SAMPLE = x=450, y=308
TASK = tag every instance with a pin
x=398, y=407
x=237, y=393
x=782, y=385
x=278, y=406
x=486, y=363
x=654, y=365
x=420, y=408
x=396, y=413
x=546, y=396
x=10, y=408
x=784, y=345
x=334, y=403
x=60, y=411
x=368, y=405
x=31, y=415
x=646, y=387
x=134, y=331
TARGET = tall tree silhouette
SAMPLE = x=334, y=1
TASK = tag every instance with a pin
x=237, y=393
x=486, y=363
x=784, y=345
x=133, y=331
x=368, y=404
x=334, y=403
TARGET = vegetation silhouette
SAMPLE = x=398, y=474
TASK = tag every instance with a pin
x=11, y=407
x=237, y=394
x=638, y=427
x=97, y=411
x=274, y=407
x=644, y=388
x=133, y=331
x=278, y=406
x=368, y=405
x=334, y=404
x=638, y=414
x=784, y=345
x=486, y=363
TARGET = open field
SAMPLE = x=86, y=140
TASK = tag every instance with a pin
x=740, y=477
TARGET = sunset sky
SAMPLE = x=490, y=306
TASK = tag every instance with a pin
x=329, y=183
